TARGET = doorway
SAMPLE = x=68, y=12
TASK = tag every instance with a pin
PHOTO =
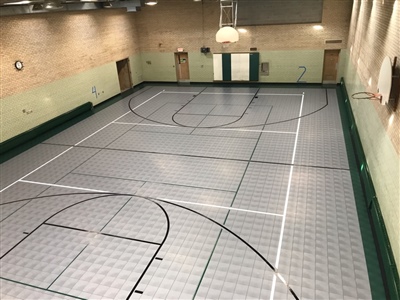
x=182, y=66
x=124, y=74
x=331, y=61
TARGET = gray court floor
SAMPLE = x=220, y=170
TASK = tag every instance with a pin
x=197, y=193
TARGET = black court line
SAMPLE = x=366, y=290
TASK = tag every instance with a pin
x=37, y=227
x=156, y=252
x=210, y=157
x=101, y=195
x=245, y=126
x=229, y=123
x=182, y=125
x=13, y=211
x=101, y=233
x=155, y=201
x=208, y=115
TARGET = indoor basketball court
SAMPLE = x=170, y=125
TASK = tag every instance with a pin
x=188, y=192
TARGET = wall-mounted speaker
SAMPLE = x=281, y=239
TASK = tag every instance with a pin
x=205, y=49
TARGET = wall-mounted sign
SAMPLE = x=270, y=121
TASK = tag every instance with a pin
x=179, y=49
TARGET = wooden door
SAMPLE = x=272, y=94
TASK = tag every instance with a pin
x=124, y=74
x=182, y=66
x=331, y=61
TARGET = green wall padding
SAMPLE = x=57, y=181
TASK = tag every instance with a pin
x=387, y=263
x=26, y=136
x=254, y=64
x=226, y=67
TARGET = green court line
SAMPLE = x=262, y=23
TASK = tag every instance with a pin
x=158, y=182
x=227, y=215
x=67, y=266
x=43, y=289
x=118, y=211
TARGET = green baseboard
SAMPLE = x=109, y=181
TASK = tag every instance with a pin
x=7, y=147
x=382, y=269
x=22, y=142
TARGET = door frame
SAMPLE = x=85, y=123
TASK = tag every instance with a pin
x=178, y=68
x=337, y=67
x=128, y=77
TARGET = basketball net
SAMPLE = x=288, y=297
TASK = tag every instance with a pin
x=225, y=44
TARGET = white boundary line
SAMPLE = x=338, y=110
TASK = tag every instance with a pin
x=254, y=130
x=262, y=94
x=165, y=199
x=65, y=151
x=117, y=119
x=218, y=206
x=245, y=94
x=278, y=254
x=172, y=92
x=64, y=186
x=143, y=124
x=226, y=129
x=10, y=185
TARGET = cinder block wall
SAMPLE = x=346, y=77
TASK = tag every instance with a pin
x=374, y=34
x=65, y=54
x=191, y=25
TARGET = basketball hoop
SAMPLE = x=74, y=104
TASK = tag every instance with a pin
x=225, y=44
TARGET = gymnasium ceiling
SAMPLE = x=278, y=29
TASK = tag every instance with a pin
x=250, y=12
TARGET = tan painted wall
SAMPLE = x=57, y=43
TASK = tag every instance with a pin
x=374, y=34
x=48, y=101
x=59, y=49
x=64, y=55
x=191, y=25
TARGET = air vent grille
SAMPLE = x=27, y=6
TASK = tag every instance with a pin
x=333, y=41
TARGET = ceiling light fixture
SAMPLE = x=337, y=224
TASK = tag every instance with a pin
x=17, y=3
x=242, y=30
x=53, y=5
x=318, y=27
x=107, y=5
x=151, y=2
x=37, y=6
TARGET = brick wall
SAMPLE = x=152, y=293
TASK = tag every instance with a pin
x=57, y=45
x=188, y=24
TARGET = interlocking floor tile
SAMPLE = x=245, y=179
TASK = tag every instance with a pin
x=78, y=243
x=204, y=146
x=161, y=168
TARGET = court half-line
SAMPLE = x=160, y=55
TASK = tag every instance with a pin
x=163, y=199
x=220, y=129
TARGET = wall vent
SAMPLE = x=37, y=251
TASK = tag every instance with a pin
x=333, y=41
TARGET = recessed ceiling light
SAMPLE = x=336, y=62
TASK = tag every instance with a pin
x=17, y=3
x=151, y=2
x=242, y=30
x=318, y=27
x=53, y=5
